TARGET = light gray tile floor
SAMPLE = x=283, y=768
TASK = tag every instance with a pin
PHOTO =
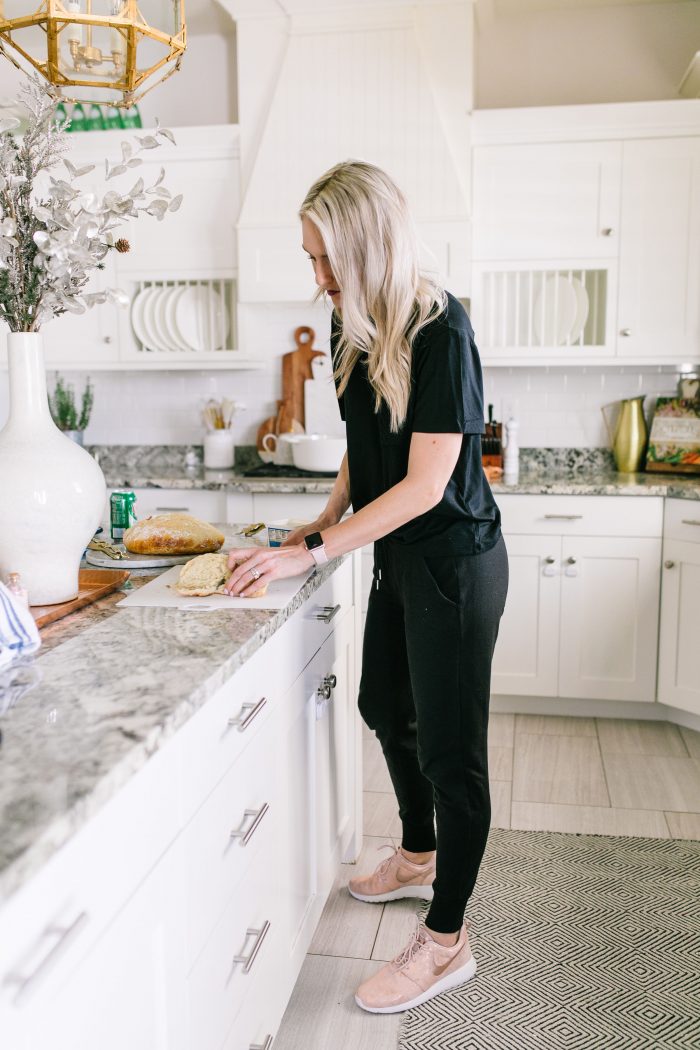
x=548, y=773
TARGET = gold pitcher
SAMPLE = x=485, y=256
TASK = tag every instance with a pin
x=629, y=438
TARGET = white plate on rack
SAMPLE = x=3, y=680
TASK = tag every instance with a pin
x=156, y=337
x=138, y=307
x=582, y=306
x=165, y=319
x=555, y=311
x=201, y=318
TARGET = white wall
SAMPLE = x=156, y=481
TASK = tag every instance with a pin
x=582, y=53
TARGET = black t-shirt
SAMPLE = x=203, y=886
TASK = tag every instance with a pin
x=446, y=398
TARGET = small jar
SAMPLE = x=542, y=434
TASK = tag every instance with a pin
x=18, y=592
x=219, y=449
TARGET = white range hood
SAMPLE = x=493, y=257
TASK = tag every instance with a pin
x=323, y=80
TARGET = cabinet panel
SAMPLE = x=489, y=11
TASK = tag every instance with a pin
x=659, y=287
x=582, y=515
x=129, y=991
x=209, y=506
x=303, y=505
x=679, y=681
x=547, y=200
x=609, y=618
x=525, y=659
x=239, y=508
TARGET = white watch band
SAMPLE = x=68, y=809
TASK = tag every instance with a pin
x=319, y=555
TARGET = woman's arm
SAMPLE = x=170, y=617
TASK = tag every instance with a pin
x=431, y=460
x=338, y=503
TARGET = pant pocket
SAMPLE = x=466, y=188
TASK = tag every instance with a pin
x=443, y=573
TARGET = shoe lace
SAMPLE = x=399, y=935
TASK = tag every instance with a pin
x=384, y=866
x=414, y=945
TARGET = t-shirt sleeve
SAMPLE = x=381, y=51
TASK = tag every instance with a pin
x=448, y=392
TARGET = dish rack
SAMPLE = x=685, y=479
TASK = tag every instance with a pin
x=533, y=309
x=181, y=318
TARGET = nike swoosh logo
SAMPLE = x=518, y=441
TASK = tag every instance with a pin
x=407, y=877
x=438, y=970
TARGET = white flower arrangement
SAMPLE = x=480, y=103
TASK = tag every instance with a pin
x=51, y=242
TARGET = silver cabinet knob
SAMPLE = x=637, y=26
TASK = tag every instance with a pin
x=327, y=686
x=607, y=231
x=107, y=339
x=550, y=560
x=669, y=564
x=626, y=331
x=571, y=561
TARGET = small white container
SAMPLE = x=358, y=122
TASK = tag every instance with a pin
x=219, y=449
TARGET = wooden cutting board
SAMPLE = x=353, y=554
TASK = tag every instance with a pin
x=296, y=368
x=92, y=584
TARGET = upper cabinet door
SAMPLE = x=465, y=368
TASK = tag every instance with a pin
x=547, y=201
x=659, y=284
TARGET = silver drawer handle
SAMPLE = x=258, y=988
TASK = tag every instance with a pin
x=563, y=517
x=329, y=611
x=262, y=1046
x=260, y=936
x=242, y=720
x=66, y=935
x=185, y=509
x=690, y=521
x=246, y=836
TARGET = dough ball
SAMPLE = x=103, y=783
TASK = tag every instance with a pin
x=172, y=534
x=206, y=575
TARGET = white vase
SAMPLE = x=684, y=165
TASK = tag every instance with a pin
x=52, y=492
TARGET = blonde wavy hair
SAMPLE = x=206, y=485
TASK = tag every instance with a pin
x=369, y=237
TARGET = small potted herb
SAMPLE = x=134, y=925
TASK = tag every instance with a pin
x=66, y=415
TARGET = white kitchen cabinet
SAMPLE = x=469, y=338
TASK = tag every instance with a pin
x=526, y=655
x=658, y=313
x=129, y=990
x=239, y=508
x=679, y=681
x=306, y=506
x=581, y=617
x=609, y=617
x=546, y=200
x=201, y=503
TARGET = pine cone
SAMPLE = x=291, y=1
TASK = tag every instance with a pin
x=122, y=245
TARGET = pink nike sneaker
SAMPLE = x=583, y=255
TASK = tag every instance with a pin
x=394, y=878
x=422, y=970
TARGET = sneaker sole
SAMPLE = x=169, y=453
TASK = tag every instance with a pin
x=452, y=980
x=422, y=892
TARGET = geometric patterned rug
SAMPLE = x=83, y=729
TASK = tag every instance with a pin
x=583, y=942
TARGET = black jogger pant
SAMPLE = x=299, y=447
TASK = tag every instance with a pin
x=431, y=628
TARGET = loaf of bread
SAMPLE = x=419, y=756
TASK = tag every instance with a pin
x=207, y=574
x=172, y=534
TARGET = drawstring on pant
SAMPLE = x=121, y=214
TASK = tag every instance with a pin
x=378, y=561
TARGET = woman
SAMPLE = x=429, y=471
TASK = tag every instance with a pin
x=409, y=385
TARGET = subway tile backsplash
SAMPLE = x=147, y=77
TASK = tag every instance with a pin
x=555, y=407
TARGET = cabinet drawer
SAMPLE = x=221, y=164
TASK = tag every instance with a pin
x=581, y=515
x=321, y=613
x=227, y=833
x=239, y=508
x=682, y=520
x=303, y=505
x=48, y=925
x=229, y=721
x=209, y=506
x=250, y=928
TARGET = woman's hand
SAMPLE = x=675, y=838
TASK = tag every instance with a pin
x=296, y=537
x=268, y=563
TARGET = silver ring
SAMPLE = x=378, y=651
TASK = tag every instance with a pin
x=255, y=573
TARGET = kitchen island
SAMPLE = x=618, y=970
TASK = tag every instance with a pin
x=158, y=760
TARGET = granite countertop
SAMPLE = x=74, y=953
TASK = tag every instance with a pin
x=560, y=482
x=550, y=471
x=90, y=717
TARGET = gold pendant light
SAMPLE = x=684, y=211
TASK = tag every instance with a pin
x=104, y=51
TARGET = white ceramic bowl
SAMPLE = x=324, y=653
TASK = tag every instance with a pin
x=318, y=452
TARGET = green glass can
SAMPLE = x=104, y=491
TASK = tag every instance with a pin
x=121, y=513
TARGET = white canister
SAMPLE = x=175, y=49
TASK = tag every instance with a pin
x=219, y=449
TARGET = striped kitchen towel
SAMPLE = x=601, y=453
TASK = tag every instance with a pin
x=18, y=632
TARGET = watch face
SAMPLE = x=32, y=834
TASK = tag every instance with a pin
x=313, y=540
